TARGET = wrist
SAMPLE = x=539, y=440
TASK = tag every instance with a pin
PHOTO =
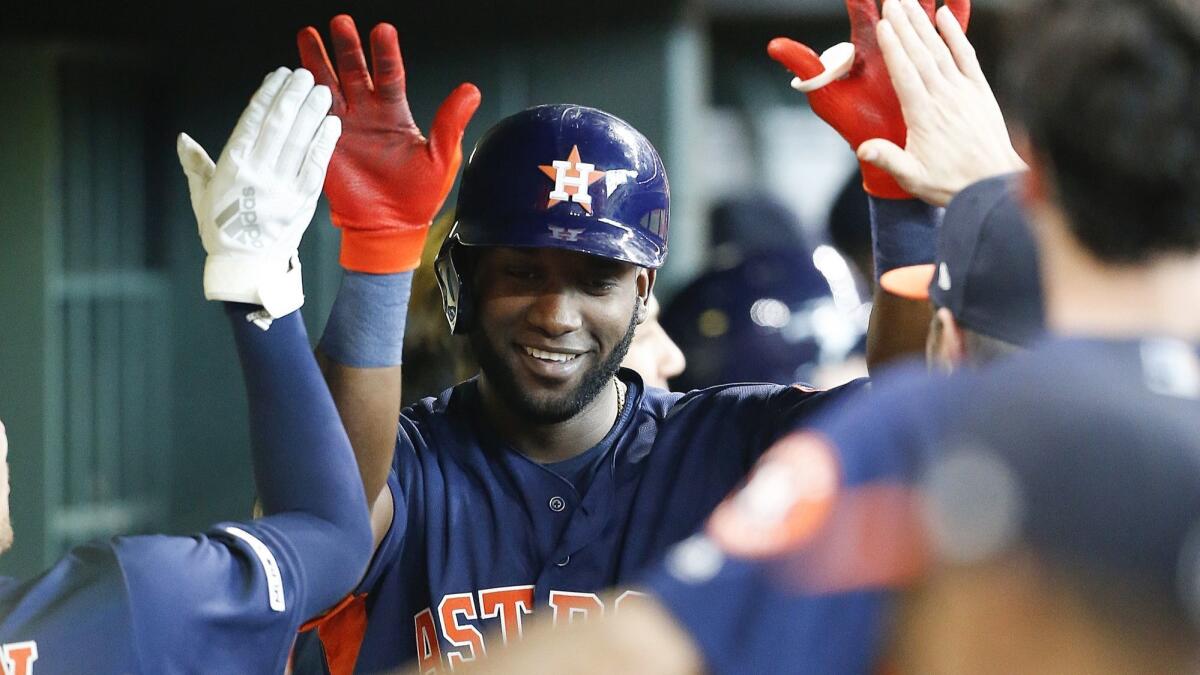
x=275, y=283
x=366, y=325
x=903, y=234
x=881, y=184
x=383, y=250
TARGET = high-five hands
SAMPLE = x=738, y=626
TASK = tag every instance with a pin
x=956, y=132
x=862, y=104
x=386, y=181
x=254, y=204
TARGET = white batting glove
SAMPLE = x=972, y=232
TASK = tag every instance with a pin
x=255, y=203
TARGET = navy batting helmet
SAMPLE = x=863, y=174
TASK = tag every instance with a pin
x=557, y=176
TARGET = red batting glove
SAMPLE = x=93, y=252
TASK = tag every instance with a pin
x=386, y=181
x=862, y=105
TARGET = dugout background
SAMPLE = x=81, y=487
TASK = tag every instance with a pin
x=119, y=384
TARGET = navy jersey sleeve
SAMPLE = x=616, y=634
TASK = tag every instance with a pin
x=74, y=618
x=304, y=469
x=227, y=601
x=798, y=405
x=767, y=587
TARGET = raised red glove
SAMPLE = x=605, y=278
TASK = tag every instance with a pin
x=386, y=181
x=862, y=105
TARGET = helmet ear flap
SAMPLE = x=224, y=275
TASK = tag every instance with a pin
x=454, y=285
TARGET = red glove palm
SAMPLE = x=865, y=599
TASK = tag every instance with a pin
x=386, y=181
x=862, y=105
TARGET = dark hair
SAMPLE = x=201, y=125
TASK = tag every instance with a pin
x=1109, y=93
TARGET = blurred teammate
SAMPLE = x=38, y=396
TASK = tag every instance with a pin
x=229, y=600
x=553, y=474
x=1059, y=491
x=652, y=353
x=774, y=316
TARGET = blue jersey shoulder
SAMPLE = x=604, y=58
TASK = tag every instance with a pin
x=74, y=618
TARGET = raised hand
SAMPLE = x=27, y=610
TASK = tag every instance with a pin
x=862, y=104
x=253, y=205
x=386, y=181
x=956, y=132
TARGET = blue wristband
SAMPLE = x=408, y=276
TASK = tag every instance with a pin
x=903, y=232
x=366, y=326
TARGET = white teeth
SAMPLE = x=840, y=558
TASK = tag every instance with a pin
x=550, y=356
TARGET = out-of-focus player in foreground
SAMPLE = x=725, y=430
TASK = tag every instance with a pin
x=1055, y=525
x=554, y=474
x=228, y=601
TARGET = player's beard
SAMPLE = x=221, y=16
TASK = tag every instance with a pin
x=500, y=375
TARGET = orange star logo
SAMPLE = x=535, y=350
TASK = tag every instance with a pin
x=572, y=173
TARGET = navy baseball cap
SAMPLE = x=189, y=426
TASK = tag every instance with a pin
x=986, y=270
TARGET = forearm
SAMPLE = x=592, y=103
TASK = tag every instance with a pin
x=360, y=356
x=301, y=454
x=898, y=329
x=368, y=401
x=904, y=234
x=312, y=509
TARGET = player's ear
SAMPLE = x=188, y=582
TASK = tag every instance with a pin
x=947, y=351
x=645, y=289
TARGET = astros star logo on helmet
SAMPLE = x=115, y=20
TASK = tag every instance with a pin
x=581, y=179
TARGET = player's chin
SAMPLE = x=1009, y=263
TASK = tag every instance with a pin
x=550, y=411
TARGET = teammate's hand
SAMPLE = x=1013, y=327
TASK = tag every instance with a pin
x=386, y=181
x=956, y=132
x=861, y=104
x=253, y=205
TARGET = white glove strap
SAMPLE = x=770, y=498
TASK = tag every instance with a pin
x=837, y=60
x=276, y=286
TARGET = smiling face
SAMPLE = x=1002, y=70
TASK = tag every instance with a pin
x=6, y=533
x=553, y=326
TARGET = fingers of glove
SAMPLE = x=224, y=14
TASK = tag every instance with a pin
x=351, y=64
x=450, y=121
x=248, y=126
x=922, y=22
x=387, y=65
x=897, y=16
x=312, y=114
x=960, y=47
x=910, y=88
x=282, y=116
x=961, y=9
x=798, y=58
x=864, y=14
x=891, y=158
x=316, y=161
x=198, y=167
x=315, y=60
